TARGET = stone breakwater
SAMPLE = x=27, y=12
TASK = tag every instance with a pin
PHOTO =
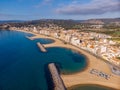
x=58, y=83
x=30, y=38
x=41, y=47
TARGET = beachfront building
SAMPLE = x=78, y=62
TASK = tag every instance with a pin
x=75, y=41
x=56, y=35
x=47, y=32
x=35, y=30
x=68, y=38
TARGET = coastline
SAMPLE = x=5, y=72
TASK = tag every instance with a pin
x=94, y=85
x=84, y=77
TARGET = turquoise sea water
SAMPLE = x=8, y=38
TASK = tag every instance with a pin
x=22, y=65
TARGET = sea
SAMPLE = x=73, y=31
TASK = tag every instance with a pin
x=24, y=67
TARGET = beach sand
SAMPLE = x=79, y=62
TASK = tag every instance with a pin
x=84, y=77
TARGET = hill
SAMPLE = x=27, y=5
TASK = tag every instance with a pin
x=102, y=21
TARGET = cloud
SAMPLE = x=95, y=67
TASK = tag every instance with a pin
x=47, y=1
x=43, y=3
x=95, y=7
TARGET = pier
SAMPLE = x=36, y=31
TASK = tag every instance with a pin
x=30, y=38
x=41, y=47
x=58, y=83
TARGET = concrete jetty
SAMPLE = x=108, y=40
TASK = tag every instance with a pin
x=41, y=47
x=30, y=38
x=58, y=83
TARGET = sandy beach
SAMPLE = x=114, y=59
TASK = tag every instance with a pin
x=85, y=77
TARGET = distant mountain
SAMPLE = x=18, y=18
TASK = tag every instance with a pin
x=59, y=21
x=10, y=21
x=67, y=24
x=102, y=21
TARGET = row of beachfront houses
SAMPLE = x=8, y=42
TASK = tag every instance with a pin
x=95, y=43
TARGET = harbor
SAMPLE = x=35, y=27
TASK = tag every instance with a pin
x=85, y=76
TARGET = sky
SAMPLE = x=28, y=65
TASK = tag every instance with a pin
x=58, y=9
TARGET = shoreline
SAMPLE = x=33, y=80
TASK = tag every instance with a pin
x=96, y=85
x=83, y=76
